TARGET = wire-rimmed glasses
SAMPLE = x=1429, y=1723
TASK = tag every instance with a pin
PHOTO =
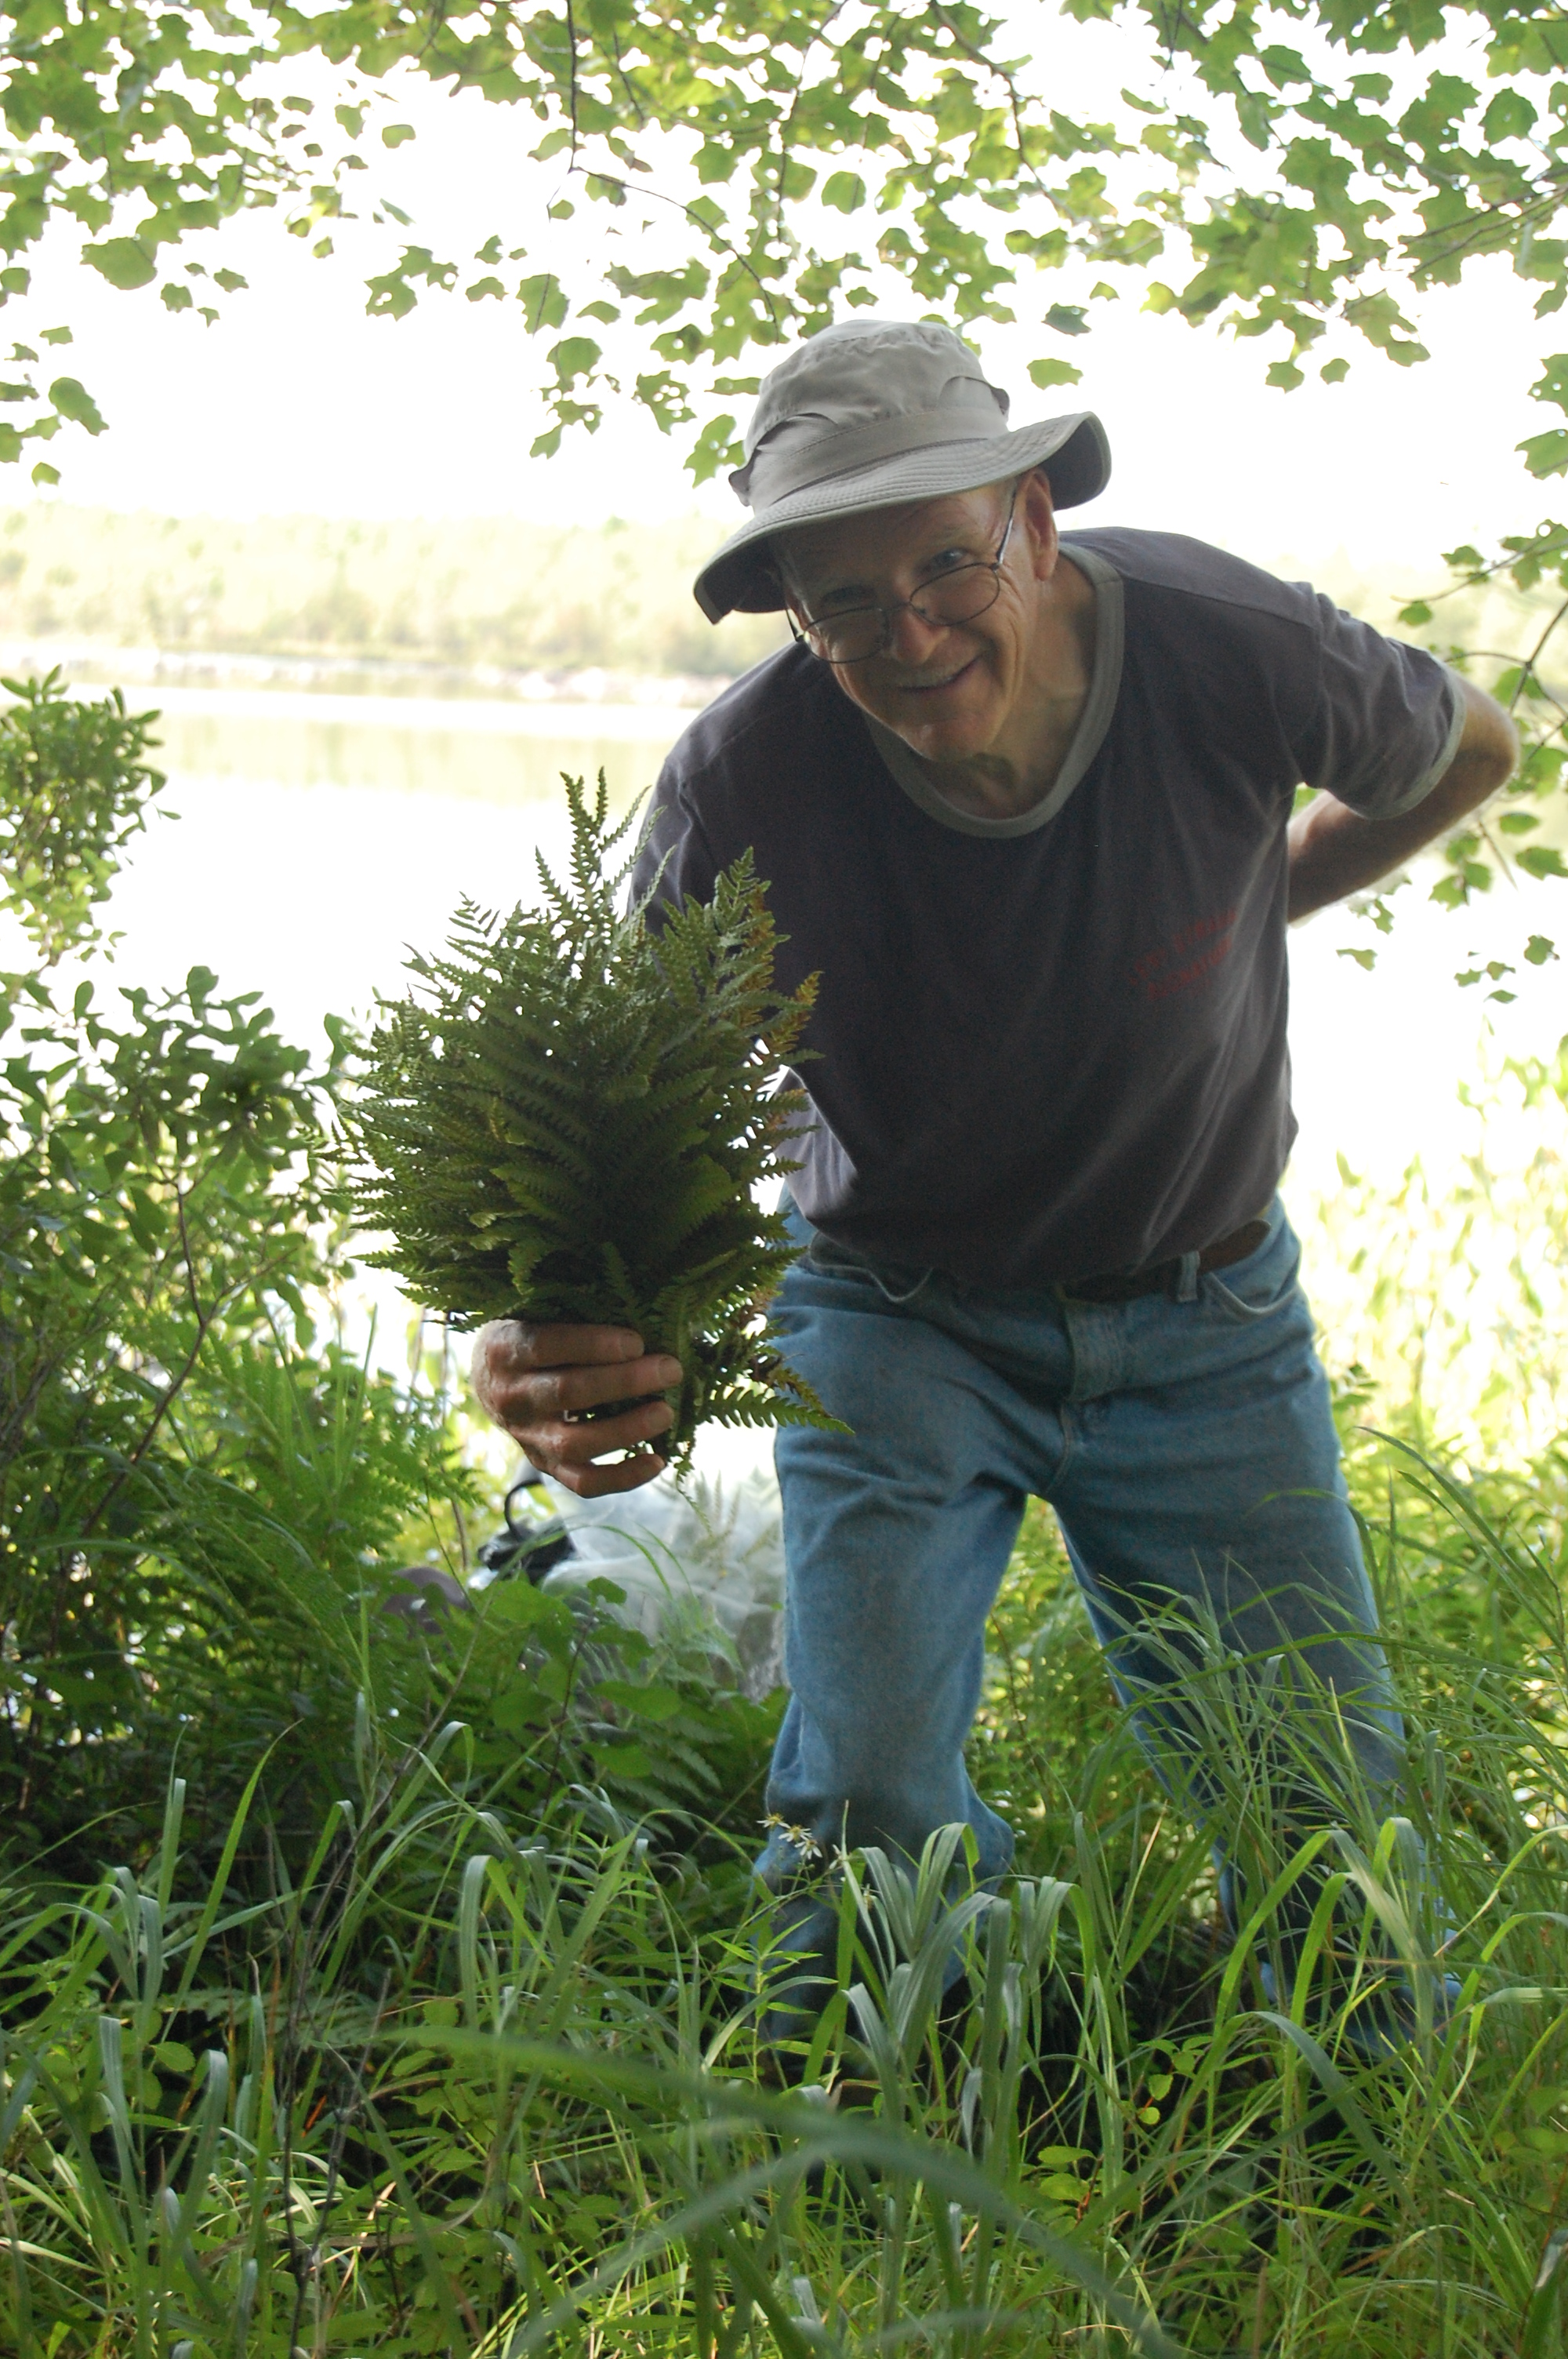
x=858, y=632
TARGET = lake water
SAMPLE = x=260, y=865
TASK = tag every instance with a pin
x=466, y=750
x=318, y=837
x=321, y=835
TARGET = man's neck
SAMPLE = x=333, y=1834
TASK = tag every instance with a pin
x=1019, y=771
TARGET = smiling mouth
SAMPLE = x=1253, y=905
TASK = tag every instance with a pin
x=931, y=687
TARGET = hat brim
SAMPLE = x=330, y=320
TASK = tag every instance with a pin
x=1073, y=450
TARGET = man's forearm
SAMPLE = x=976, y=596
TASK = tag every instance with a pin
x=1335, y=851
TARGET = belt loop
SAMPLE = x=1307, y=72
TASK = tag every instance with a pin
x=1187, y=1288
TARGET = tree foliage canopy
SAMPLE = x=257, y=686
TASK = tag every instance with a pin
x=1297, y=169
x=1295, y=173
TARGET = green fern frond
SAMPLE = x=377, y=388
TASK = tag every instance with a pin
x=567, y=1119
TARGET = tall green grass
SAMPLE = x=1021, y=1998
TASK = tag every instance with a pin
x=471, y=2083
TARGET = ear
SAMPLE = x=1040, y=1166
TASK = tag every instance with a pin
x=1037, y=515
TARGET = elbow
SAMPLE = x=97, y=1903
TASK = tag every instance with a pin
x=1488, y=751
x=1502, y=750
x=1478, y=774
x=1473, y=778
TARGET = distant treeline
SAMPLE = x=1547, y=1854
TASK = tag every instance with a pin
x=521, y=596
x=476, y=592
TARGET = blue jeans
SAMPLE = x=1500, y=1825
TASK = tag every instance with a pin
x=1186, y=1443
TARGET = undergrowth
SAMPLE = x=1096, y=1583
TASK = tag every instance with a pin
x=478, y=2082
x=383, y=1978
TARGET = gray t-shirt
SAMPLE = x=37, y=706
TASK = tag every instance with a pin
x=1053, y=1046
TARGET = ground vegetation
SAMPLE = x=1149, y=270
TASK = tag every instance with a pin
x=387, y=1980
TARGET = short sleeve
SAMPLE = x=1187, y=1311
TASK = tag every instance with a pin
x=1386, y=718
x=673, y=862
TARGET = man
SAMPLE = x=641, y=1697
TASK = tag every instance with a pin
x=1026, y=804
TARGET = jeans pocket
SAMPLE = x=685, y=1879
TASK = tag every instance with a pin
x=896, y=1283
x=1261, y=1284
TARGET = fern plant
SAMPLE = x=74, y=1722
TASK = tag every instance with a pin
x=567, y=1118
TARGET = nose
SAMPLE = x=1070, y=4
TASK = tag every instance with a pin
x=912, y=638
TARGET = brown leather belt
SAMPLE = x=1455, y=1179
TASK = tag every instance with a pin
x=1161, y=1278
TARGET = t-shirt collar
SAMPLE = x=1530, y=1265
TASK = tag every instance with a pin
x=915, y=778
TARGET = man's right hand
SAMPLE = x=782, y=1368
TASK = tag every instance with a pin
x=537, y=1381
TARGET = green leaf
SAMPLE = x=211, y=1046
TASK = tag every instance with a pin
x=844, y=192
x=1552, y=382
x=73, y=401
x=1048, y=373
x=1255, y=119
x=395, y=134
x=543, y=301
x=716, y=447
x=648, y=1702
x=123, y=261
x=1541, y=860
x=573, y=357
x=1511, y=115
x=1537, y=951
x=1067, y=318
x=1546, y=455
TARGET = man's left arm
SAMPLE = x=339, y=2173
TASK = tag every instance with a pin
x=1334, y=851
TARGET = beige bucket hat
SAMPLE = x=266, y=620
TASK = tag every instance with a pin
x=872, y=414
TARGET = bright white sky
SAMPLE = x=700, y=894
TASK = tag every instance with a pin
x=296, y=402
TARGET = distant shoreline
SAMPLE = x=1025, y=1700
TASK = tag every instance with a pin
x=96, y=663
x=456, y=609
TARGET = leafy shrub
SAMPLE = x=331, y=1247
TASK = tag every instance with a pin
x=204, y=1505
x=74, y=789
x=161, y=1196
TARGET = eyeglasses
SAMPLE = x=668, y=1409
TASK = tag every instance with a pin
x=957, y=596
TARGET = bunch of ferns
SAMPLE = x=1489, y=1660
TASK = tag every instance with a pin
x=567, y=1118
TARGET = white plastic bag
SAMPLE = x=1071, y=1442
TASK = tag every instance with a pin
x=711, y=1554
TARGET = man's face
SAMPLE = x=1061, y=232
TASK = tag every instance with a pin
x=949, y=690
